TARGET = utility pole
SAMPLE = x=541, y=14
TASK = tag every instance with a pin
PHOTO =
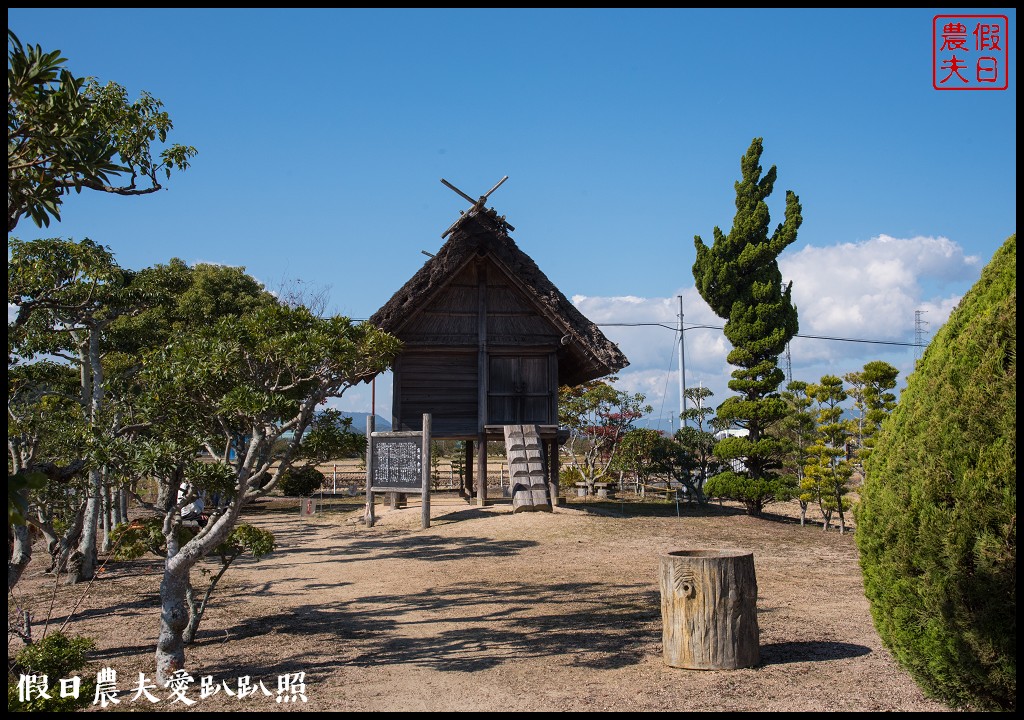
x=682, y=368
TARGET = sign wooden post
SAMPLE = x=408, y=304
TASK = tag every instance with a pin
x=370, y=519
x=398, y=462
x=425, y=455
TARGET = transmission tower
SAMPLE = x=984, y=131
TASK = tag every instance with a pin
x=919, y=333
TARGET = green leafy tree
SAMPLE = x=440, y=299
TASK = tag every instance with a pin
x=797, y=429
x=872, y=402
x=636, y=454
x=697, y=439
x=330, y=437
x=66, y=133
x=67, y=295
x=937, y=518
x=598, y=417
x=827, y=474
x=46, y=441
x=240, y=385
x=739, y=278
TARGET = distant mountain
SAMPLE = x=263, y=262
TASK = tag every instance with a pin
x=359, y=422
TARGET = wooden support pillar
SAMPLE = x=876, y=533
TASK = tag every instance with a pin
x=482, y=373
x=553, y=471
x=469, y=460
x=481, y=470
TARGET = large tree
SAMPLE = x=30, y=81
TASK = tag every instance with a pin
x=68, y=294
x=739, y=278
x=65, y=133
x=234, y=389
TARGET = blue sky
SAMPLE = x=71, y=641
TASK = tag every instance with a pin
x=323, y=134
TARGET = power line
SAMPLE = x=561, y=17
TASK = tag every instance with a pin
x=719, y=327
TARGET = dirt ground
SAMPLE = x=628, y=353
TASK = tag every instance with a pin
x=488, y=611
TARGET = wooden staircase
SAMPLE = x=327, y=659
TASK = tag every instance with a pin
x=526, y=471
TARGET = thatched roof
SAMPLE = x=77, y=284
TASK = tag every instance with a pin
x=586, y=353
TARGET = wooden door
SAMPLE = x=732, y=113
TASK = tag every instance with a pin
x=520, y=390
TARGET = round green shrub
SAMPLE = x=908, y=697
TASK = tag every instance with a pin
x=936, y=528
x=57, y=656
x=300, y=482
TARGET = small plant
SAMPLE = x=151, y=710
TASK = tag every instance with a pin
x=300, y=482
x=53, y=658
x=569, y=476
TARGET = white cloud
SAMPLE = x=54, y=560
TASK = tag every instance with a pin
x=868, y=290
x=872, y=288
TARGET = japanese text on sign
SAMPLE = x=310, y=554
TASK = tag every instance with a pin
x=396, y=462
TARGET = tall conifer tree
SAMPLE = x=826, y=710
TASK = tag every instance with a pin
x=739, y=277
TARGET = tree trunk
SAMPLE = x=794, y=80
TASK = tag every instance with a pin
x=115, y=508
x=65, y=554
x=709, y=609
x=839, y=508
x=107, y=509
x=86, y=568
x=174, y=615
x=45, y=527
x=175, y=587
x=20, y=555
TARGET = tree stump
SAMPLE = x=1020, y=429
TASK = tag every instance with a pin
x=709, y=609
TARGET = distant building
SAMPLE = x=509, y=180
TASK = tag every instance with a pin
x=737, y=465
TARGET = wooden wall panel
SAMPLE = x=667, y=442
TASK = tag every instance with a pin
x=444, y=385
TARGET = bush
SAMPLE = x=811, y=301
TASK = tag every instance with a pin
x=56, y=656
x=936, y=529
x=568, y=476
x=300, y=482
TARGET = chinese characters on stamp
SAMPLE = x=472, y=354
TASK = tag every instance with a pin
x=291, y=687
x=970, y=52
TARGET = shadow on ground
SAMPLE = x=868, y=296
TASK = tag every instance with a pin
x=809, y=651
x=462, y=628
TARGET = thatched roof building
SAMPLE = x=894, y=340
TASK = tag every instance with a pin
x=488, y=340
x=438, y=305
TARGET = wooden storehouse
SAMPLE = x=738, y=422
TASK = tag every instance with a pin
x=487, y=341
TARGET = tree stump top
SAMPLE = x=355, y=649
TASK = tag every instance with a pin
x=709, y=553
